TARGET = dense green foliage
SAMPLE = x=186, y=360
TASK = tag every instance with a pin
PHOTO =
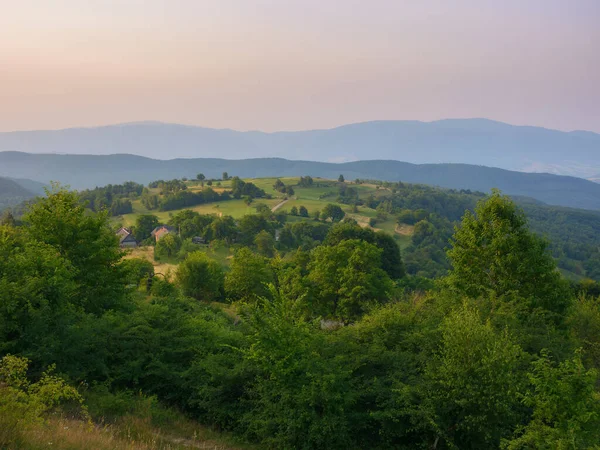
x=311, y=341
x=241, y=188
x=573, y=235
x=114, y=198
x=493, y=251
x=200, y=277
x=185, y=199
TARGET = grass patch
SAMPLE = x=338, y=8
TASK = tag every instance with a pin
x=148, y=254
x=147, y=426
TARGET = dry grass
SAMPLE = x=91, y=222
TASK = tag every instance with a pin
x=405, y=230
x=363, y=221
x=148, y=253
x=131, y=433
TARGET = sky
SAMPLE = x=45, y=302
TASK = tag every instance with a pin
x=298, y=64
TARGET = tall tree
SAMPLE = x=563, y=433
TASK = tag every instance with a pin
x=39, y=297
x=391, y=261
x=566, y=410
x=86, y=240
x=200, y=277
x=223, y=228
x=348, y=278
x=248, y=276
x=265, y=243
x=473, y=382
x=333, y=212
x=144, y=225
x=494, y=251
x=167, y=246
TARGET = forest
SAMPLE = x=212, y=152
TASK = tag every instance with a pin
x=297, y=329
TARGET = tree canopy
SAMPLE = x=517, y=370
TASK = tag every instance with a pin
x=494, y=251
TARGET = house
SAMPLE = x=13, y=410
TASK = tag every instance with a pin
x=126, y=238
x=160, y=231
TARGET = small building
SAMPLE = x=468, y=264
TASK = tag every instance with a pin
x=161, y=231
x=126, y=238
x=198, y=240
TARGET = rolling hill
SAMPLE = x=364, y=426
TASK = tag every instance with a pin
x=15, y=191
x=469, y=141
x=86, y=171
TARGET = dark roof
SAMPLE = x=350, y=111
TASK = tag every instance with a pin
x=127, y=238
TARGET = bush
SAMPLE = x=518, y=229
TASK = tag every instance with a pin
x=137, y=269
x=200, y=277
x=167, y=247
x=162, y=288
x=23, y=404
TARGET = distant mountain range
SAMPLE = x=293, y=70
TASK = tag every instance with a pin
x=86, y=171
x=468, y=141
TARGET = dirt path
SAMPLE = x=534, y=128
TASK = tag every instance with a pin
x=279, y=205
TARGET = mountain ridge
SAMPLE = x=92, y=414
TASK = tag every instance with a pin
x=14, y=191
x=88, y=171
x=470, y=141
x=150, y=122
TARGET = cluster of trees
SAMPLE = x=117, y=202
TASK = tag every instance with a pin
x=499, y=353
x=333, y=212
x=241, y=188
x=574, y=235
x=169, y=186
x=174, y=194
x=306, y=182
x=280, y=186
x=351, y=272
x=185, y=198
x=348, y=195
x=399, y=196
x=115, y=198
x=301, y=211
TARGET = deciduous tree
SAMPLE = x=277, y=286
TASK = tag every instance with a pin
x=200, y=277
x=493, y=250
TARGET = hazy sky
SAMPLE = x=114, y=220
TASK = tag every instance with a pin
x=287, y=64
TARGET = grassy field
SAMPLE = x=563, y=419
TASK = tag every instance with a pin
x=234, y=208
x=313, y=199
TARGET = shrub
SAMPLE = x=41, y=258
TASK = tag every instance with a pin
x=200, y=277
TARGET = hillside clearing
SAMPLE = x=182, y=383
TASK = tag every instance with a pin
x=148, y=254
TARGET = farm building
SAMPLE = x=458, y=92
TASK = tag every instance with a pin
x=160, y=231
x=126, y=238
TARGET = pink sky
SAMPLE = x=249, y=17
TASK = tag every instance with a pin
x=289, y=65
